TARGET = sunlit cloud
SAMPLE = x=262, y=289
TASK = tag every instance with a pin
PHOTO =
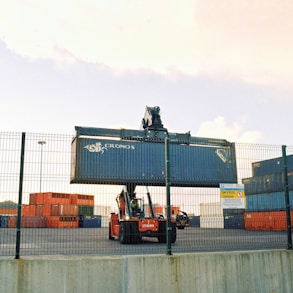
x=236, y=132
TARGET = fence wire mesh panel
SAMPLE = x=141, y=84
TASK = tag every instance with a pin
x=62, y=213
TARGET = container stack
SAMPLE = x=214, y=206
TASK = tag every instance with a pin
x=265, y=196
x=211, y=215
x=57, y=210
x=8, y=210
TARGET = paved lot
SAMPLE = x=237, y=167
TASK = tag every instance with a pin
x=95, y=241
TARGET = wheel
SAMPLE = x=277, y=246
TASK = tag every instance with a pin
x=110, y=236
x=162, y=237
x=134, y=233
x=173, y=233
x=124, y=233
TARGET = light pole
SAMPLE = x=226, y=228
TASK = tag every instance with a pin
x=41, y=143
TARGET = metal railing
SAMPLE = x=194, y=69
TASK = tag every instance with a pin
x=32, y=164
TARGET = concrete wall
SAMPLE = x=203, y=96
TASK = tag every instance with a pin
x=259, y=271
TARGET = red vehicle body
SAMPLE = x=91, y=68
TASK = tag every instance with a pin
x=131, y=223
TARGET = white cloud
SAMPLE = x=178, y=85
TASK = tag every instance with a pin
x=236, y=132
x=248, y=40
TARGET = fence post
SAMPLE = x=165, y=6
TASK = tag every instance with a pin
x=287, y=200
x=20, y=197
x=167, y=178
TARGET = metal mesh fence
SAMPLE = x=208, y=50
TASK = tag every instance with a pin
x=62, y=218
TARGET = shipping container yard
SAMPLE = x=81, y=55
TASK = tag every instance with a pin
x=75, y=195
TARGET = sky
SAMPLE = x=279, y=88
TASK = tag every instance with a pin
x=220, y=69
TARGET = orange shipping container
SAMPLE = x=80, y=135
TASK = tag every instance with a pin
x=25, y=209
x=36, y=198
x=8, y=211
x=82, y=199
x=64, y=210
x=49, y=198
x=62, y=222
x=43, y=210
x=12, y=220
x=29, y=210
x=274, y=220
x=33, y=222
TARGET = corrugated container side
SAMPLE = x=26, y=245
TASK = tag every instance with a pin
x=62, y=222
x=29, y=210
x=8, y=211
x=57, y=198
x=85, y=210
x=194, y=221
x=94, y=221
x=212, y=222
x=266, y=183
x=82, y=199
x=25, y=210
x=12, y=220
x=4, y=221
x=274, y=201
x=275, y=220
x=109, y=152
x=235, y=221
x=211, y=209
x=64, y=210
x=229, y=212
x=49, y=198
x=270, y=166
x=35, y=198
x=43, y=210
x=33, y=222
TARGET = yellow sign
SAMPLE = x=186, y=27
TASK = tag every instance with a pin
x=232, y=196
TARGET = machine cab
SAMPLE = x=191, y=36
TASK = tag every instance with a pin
x=137, y=207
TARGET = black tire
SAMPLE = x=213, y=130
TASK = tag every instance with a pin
x=162, y=237
x=173, y=233
x=110, y=236
x=134, y=233
x=124, y=233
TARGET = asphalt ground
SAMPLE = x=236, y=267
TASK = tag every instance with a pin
x=95, y=241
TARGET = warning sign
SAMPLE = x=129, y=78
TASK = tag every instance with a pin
x=232, y=196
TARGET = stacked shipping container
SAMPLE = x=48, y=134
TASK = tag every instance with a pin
x=56, y=210
x=265, y=197
x=211, y=215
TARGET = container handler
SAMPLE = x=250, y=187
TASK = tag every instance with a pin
x=96, y=151
x=132, y=222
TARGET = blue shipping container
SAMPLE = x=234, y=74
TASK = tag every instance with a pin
x=266, y=183
x=118, y=162
x=234, y=221
x=3, y=221
x=90, y=221
x=194, y=221
x=274, y=201
x=230, y=212
x=270, y=166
